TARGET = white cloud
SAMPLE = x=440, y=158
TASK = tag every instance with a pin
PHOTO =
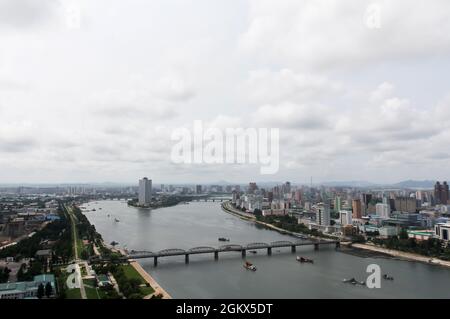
x=100, y=102
x=266, y=86
x=331, y=33
x=290, y=115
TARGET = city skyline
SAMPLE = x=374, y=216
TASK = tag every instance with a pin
x=99, y=90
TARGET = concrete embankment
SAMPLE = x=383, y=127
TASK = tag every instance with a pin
x=403, y=255
x=226, y=207
x=149, y=279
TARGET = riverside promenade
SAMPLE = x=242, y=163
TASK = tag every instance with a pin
x=404, y=255
x=149, y=279
x=226, y=207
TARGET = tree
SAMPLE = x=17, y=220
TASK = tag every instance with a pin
x=403, y=234
x=40, y=291
x=4, y=274
x=48, y=289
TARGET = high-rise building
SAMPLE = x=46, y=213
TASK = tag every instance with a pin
x=345, y=217
x=252, y=187
x=405, y=204
x=366, y=199
x=441, y=193
x=383, y=210
x=145, y=191
x=298, y=196
x=357, y=209
x=324, y=215
x=198, y=189
x=337, y=204
x=286, y=188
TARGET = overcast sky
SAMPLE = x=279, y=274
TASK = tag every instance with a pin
x=90, y=91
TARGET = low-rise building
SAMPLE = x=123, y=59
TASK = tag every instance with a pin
x=26, y=289
x=388, y=231
x=274, y=212
x=442, y=231
x=420, y=235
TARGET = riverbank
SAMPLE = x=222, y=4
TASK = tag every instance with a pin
x=248, y=217
x=149, y=279
x=158, y=290
x=403, y=255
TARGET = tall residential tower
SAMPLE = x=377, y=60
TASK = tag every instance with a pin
x=145, y=191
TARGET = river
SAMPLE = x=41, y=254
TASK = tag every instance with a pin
x=278, y=276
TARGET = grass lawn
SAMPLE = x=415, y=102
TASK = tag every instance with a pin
x=73, y=293
x=130, y=273
x=90, y=282
x=91, y=293
x=147, y=291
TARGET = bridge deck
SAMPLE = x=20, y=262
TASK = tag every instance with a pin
x=225, y=248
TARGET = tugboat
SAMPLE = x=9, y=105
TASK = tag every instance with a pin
x=353, y=281
x=249, y=266
x=224, y=239
x=387, y=277
x=304, y=260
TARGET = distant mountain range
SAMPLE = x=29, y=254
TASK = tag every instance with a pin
x=415, y=184
x=349, y=184
x=427, y=184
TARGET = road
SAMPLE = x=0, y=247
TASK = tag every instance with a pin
x=75, y=247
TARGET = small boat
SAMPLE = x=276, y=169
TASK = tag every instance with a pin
x=387, y=277
x=224, y=239
x=353, y=281
x=253, y=251
x=249, y=266
x=94, y=210
x=304, y=260
x=116, y=220
x=109, y=215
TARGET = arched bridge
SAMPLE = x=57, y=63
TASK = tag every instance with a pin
x=202, y=250
x=257, y=245
x=229, y=248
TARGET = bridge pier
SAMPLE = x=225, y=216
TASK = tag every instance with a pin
x=186, y=258
x=316, y=246
x=269, y=251
x=155, y=261
x=244, y=253
x=216, y=255
x=293, y=249
x=338, y=244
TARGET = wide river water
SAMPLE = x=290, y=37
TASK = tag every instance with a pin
x=278, y=276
